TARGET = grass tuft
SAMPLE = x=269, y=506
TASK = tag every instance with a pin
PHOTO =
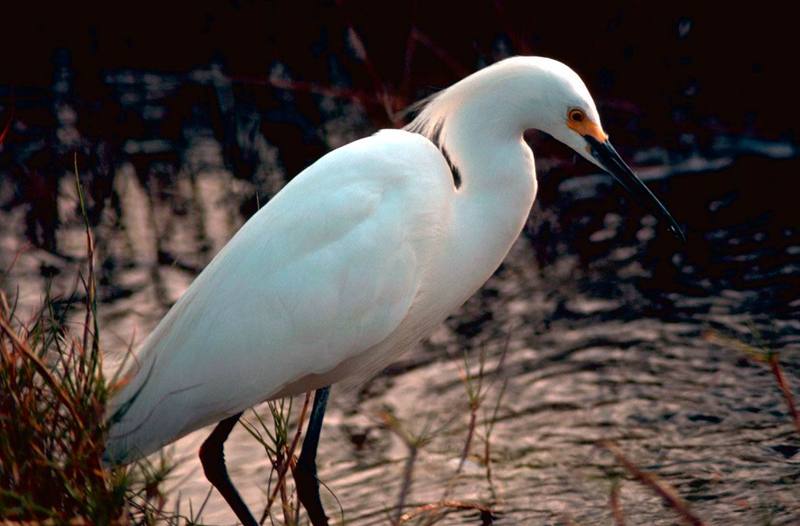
x=53, y=397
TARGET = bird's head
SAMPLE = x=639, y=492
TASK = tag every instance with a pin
x=564, y=109
x=521, y=93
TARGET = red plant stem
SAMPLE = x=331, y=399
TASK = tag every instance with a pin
x=468, y=442
x=650, y=480
x=7, y=127
x=616, y=505
x=775, y=365
x=289, y=459
x=452, y=64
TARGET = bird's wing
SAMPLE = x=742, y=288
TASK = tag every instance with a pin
x=326, y=270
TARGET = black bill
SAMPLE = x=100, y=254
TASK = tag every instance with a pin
x=613, y=164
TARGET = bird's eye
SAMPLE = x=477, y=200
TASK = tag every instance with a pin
x=576, y=115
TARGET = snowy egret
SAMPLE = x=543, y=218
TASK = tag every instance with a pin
x=359, y=257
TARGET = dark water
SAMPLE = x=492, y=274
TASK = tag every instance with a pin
x=613, y=329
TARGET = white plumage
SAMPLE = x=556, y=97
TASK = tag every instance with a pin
x=357, y=258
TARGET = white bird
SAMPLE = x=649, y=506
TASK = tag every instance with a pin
x=355, y=260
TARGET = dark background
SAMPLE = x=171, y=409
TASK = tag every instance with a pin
x=678, y=66
x=677, y=76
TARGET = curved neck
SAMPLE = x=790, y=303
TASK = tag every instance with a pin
x=479, y=123
x=490, y=208
x=493, y=203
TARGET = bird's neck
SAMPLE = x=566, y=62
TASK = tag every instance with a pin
x=478, y=124
x=497, y=190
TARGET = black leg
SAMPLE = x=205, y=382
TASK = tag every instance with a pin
x=305, y=473
x=212, y=456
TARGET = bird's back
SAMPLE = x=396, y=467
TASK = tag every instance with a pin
x=327, y=270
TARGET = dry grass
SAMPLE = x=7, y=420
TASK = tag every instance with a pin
x=52, y=421
x=281, y=455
